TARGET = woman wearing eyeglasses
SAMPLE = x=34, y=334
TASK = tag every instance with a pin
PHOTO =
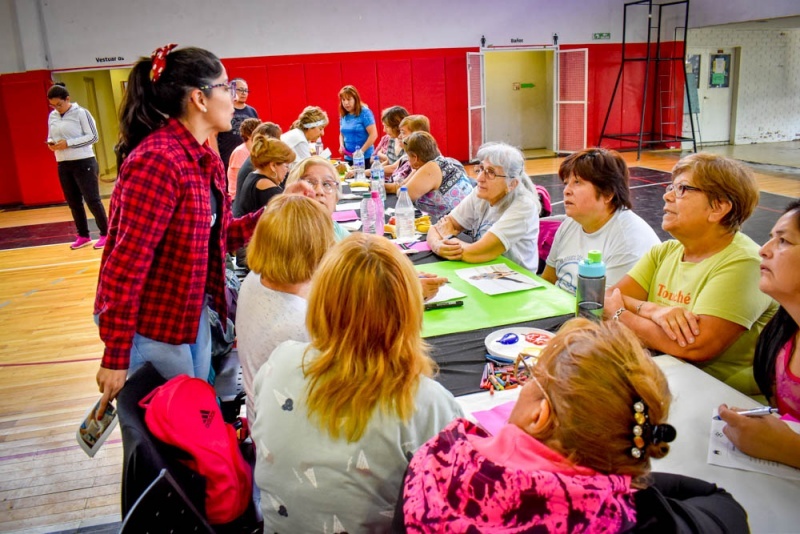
x=271, y=158
x=228, y=140
x=501, y=215
x=170, y=221
x=597, y=201
x=696, y=297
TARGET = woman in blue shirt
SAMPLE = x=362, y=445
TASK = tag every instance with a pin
x=356, y=126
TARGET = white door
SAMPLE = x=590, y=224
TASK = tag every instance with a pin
x=715, y=79
x=476, y=102
x=571, y=99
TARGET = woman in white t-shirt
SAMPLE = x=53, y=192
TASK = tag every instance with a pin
x=597, y=201
x=501, y=214
x=308, y=127
x=273, y=299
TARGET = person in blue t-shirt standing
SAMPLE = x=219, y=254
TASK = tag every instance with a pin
x=228, y=141
x=356, y=126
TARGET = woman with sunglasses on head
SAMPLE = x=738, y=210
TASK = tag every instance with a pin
x=574, y=456
x=436, y=184
x=777, y=360
x=228, y=140
x=71, y=132
x=696, y=296
x=170, y=223
x=271, y=159
x=501, y=214
x=356, y=126
x=597, y=201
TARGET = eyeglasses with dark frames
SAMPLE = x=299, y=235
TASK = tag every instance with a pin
x=231, y=86
x=680, y=189
x=490, y=173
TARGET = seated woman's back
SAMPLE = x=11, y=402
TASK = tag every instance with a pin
x=339, y=417
x=437, y=184
x=272, y=301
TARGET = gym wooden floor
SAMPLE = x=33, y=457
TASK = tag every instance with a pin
x=50, y=352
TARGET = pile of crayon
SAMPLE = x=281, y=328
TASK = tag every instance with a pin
x=498, y=376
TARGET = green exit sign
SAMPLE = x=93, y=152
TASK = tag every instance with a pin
x=596, y=36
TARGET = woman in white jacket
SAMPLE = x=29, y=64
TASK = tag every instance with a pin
x=71, y=134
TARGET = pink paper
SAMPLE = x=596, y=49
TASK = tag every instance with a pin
x=345, y=216
x=789, y=417
x=494, y=419
x=421, y=246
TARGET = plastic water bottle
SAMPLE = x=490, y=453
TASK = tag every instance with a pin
x=376, y=181
x=318, y=147
x=378, y=207
x=404, y=215
x=591, y=287
x=358, y=164
x=367, y=214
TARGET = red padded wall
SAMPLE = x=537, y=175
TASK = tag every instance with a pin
x=287, y=93
x=30, y=174
x=430, y=97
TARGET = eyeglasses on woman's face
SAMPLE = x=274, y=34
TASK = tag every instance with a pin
x=681, y=188
x=231, y=86
x=328, y=186
x=488, y=172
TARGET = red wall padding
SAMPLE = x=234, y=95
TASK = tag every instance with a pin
x=431, y=82
x=29, y=173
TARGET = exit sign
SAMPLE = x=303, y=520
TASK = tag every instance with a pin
x=596, y=36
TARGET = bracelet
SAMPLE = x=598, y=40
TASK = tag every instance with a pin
x=639, y=307
x=617, y=313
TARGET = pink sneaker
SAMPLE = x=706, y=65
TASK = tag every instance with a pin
x=100, y=243
x=80, y=242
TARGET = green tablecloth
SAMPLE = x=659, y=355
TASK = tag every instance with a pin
x=481, y=310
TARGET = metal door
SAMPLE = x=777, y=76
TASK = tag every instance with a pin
x=477, y=102
x=571, y=99
x=715, y=81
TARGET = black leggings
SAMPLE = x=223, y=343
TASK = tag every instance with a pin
x=79, y=182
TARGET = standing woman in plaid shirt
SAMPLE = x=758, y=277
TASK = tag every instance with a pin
x=170, y=223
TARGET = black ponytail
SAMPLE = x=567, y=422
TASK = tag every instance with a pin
x=147, y=105
x=58, y=90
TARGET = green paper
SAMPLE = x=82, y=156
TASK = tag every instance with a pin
x=482, y=311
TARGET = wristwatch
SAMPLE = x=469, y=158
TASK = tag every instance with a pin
x=617, y=313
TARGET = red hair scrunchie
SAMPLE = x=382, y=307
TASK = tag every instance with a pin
x=159, y=57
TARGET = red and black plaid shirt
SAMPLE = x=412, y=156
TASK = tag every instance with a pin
x=160, y=258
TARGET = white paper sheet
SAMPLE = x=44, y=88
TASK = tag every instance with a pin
x=497, y=279
x=723, y=453
x=346, y=206
x=446, y=292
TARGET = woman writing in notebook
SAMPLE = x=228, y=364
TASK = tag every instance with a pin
x=777, y=360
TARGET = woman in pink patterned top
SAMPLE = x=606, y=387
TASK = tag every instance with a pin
x=777, y=360
x=576, y=447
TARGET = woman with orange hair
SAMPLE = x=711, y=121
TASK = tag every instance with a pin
x=356, y=126
x=339, y=417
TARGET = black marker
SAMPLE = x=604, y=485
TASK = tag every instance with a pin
x=445, y=304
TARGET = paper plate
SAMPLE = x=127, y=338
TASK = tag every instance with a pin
x=495, y=348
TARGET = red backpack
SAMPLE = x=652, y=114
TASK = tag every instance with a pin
x=184, y=413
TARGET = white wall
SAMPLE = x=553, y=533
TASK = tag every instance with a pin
x=239, y=28
x=768, y=106
x=80, y=31
x=711, y=12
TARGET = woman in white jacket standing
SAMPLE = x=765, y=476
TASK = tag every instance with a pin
x=71, y=134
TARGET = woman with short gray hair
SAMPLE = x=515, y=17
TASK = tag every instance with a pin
x=501, y=215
